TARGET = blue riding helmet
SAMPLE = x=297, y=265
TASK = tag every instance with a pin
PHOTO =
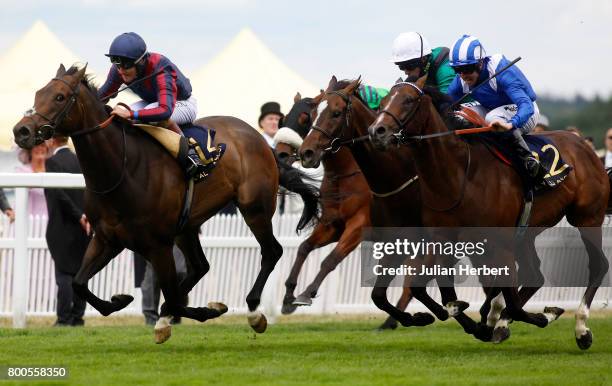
x=128, y=45
x=466, y=50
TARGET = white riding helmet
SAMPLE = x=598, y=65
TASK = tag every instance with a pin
x=408, y=46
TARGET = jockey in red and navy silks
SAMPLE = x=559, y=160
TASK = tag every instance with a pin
x=165, y=91
x=507, y=101
x=166, y=95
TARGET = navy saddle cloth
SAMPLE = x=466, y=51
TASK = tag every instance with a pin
x=541, y=147
x=205, y=138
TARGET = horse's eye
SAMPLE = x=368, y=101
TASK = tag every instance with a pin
x=59, y=98
x=336, y=114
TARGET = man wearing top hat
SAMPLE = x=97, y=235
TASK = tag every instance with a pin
x=269, y=121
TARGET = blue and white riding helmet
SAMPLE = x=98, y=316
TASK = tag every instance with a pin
x=466, y=50
x=128, y=45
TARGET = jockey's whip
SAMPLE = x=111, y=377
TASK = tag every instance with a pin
x=512, y=63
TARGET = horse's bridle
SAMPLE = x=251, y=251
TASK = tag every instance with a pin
x=57, y=120
x=401, y=123
x=403, y=139
x=44, y=132
x=337, y=142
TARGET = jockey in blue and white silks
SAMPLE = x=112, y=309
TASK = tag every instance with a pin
x=507, y=101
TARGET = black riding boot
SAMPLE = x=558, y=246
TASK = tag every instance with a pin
x=195, y=167
x=190, y=160
x=532, y=165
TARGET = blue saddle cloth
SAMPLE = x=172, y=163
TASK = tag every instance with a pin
x=205, y=138
x=541, y=146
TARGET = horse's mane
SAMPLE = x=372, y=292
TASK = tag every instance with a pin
x=87, y=80
x=439, y=99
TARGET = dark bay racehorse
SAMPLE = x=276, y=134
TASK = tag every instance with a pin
x=445, y=182
x=345, y=199
x=342, y=116
x=135, y=193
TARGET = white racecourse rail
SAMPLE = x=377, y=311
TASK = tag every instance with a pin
x=27, y=282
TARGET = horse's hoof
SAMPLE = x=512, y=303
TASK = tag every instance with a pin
x=553, y=313
x=121, y=301
x=163, y=329
x=483, y=332
x=257, y=321
x=162, y=334
x=500, y=334
x=456, y=307
x=389, y=324
x=585, y=340
x=222, y=308
x=303, y=300
x=421, y=319
x=288, y=308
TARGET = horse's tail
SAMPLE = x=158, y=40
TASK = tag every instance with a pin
x=301, y=183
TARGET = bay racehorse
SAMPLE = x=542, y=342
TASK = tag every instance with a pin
x=135, y=193
x=460, y=199
x=341, y=117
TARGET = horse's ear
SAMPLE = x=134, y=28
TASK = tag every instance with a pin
x=81, y=73
x=353, y=86
x=421, y=81
x=332, y=82
x=297, y=97
x=60, y=71
x=399, y=80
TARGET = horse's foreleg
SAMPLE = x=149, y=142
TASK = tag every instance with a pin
x=379, y=297
x=402, y=303
x=98, y=254
x=197, y=267
x=321, y=236
x=349, y=239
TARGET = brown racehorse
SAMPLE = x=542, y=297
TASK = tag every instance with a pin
x=445, y=182
x=342, y=116
x=135, y=193
x=346, y=210
x=345, y=197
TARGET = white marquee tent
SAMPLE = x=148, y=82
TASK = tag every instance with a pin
x=242, y=77
x=26, y=67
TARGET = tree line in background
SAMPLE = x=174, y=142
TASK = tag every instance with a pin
x=592, y=116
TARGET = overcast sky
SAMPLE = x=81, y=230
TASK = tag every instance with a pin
x=566, y=46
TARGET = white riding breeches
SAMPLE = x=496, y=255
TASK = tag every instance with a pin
x=184, y=111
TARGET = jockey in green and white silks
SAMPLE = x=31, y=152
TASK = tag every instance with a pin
x=413, y=55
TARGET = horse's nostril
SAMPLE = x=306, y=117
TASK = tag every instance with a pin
x=23, y=132
x=380, y=130
x=307, y=155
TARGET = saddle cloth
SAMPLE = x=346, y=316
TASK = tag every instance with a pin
x=201, y=138
x=541, y=147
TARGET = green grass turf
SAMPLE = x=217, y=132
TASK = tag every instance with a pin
x=310, y=352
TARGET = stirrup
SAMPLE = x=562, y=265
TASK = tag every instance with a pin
x=194, y=168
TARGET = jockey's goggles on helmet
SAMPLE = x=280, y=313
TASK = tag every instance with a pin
x=125, y=63
x=466, y=69
x=410, y=65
